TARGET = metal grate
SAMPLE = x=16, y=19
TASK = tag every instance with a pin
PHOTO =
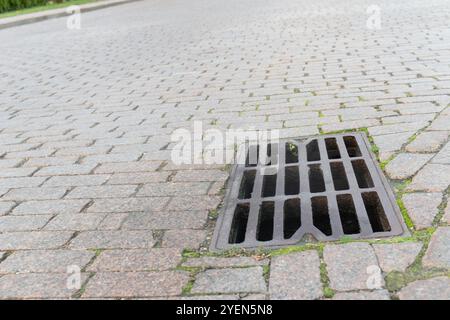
x=327, y=186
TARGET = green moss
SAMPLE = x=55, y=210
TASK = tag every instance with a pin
x=291, y=249
x=328, y=292
x=296, y=90
x=405, y=214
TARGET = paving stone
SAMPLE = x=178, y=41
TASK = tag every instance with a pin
x=16, y=172
x=166, y=220
x=186, y=238
x=211, y=297
x=391, y=142
x=24, y=194
x=422, y=207
x=396, y=256
x=73, y=169
x=174, y=189
x=5, y=207
x=45, y=261
x=218, y=262
x=446, y=217
x=115, y=239
x=432, y=178
x=363, y=295
x=76, y=222
x=230, y=280
x=200, y=175
x=431, y=289
x=129, y=204
x=137, y=260
x=138, y=177
x=113, y=221
x=295, y=276
x=33, y=240
x=50, y=207
x=23, y=182
x=23, y=223
x=438, y=252
x=97, y=192
x=194, y=203
x=136, y=284
x=35, y=286
x=405, y=165
x=352, y=266
x=75, y=181
x=135, y=166
x=428, y=141
x=443, y=156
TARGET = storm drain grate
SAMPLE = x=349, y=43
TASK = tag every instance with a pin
x=327, y=186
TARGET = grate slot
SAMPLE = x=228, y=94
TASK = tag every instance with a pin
x=292, y=217
x=327, y=186
x=347, y=213
x=239, y=225
x=265, y=222
x=375, y=211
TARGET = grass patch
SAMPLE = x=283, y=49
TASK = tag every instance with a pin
x=44, y=8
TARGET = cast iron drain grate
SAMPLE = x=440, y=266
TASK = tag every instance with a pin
x=327, y=186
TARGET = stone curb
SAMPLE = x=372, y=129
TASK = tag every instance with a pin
x=56, y=13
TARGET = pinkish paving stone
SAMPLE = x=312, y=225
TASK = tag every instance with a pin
x=218, y=262
x=438, y=251
x=431, y=289
x=396, y=256
x=422, y=207
x=363, y=295
x=429, y=141
x=406, y=165
x=186, y=238
x=432, y=178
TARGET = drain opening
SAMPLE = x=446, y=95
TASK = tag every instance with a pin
x=316, y=182
x=321, y=217
x=362, y=174
x=339, y=176
x=375, y=211
x=239, y=224
x=291, y=153
x=292, y=180
x=247, y=184
x=347, y=213
x=352, y=146
x=332, y=148
x=264, y=231
x=292, y=217
x=312, y=151
x=269, y=186
x=325, y=198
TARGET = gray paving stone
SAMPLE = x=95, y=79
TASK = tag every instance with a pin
x=121, y=205
x=24, y=194
x=174, y=189
x=112, y=221
x=35, y=286
x=136, y=284
x=405, y=165
x=431, y=289
x=135, y=166
x=73, y=169
x=137, y=260
x=185, y=238
x=16, y=172
x=98, y=192
x=115, y=239
x=50, y=207
x=23, y=223
x=438, y=252
x=5, y=207
x=295, y=276
x=218, y=262
x=446, y=217
x=194, y=203
x=443, y=155
x=200, y=175
x=230, y=281
x=75, y=181
x=350, y=267
x=76, y=222
x=212, y=297
x=23, y=182
x=363, y=295
x=138, y=177
x=428, y=141
x=33, y=240
x=422, y=207
x=396, y=256
x=45, y=261
x=166, y=220
x=432, y=178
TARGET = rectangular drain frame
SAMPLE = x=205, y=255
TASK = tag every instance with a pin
x=356, y=188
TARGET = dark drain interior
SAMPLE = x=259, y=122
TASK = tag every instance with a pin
x=327, y=187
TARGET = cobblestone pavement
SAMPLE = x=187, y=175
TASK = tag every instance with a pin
x=85, y=120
